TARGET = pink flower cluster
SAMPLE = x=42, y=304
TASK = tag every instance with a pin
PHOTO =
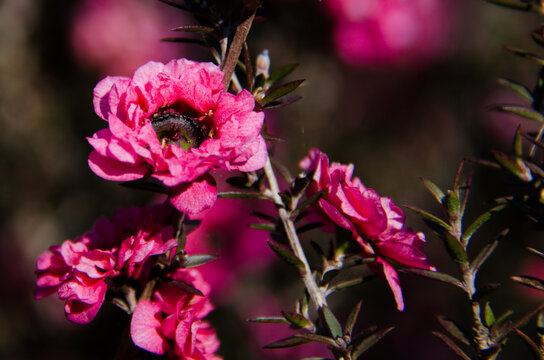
x=375, y=222
x=77, y=270
x=176, y=123
x=378, y=32
x=114, y=254
x=172, y=322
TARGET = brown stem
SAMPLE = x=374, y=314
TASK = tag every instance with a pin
x=235, y=49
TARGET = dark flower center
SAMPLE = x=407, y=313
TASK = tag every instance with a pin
x=178, y=129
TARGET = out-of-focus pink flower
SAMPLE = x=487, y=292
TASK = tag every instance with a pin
x=172, y=321
x=117, y=36
x=389, y=31
x=224, y=231
x=176, y=123
x=375, y=222
x=78, y=270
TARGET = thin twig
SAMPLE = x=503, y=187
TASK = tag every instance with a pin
x=315, y=292
x=235, y=49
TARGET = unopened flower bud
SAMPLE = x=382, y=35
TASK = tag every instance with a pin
x=263, y=64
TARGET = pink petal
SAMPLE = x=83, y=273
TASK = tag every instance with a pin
x=145, y=325
x=110, y=169
x=394, y=282
x=196, y=196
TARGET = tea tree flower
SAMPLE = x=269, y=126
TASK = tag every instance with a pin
x=175, y=122
x=375, y=222
x=77, y=270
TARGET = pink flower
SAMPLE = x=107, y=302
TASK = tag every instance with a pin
x=175, y=123
x=389, y=31
x=375, y=222
x=117, y=36
x=172, y=322
x=78, y=270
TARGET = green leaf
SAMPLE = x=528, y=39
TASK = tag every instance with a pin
x=184, y=40
x=310, y=201
x=368, y=342
x=300, y=184
x=344, y=285
x=286, y=255
x=518, y=88
x=522, y=111
x=453, y=329
x=435, y=275
x=194, y=28
x=479, y=222
x=240, y=195
x=318, y=339
x=329, y=276
x=525, y=54
x=536, y=252
x=434, y=189
x=518, y=144
x=297, y=320
x=190, y=261
x=269, y=320
x=538, y=38
x=455, y=249
x=263, y=226
x=452, y=204
x=441, y=226
x=286, y=342
x=451, y=344
x=516, y=166
x=281, y=73
x=485, y=291
x=507, y=329
x=264, y=216
x=482, y=256
x=188, y=288
x=511, y=4
x=489, y=317
x=352, y=318
x=280, y=91
x=530, y=343
x=308, y=227
x=529, y=281
x=332, y=323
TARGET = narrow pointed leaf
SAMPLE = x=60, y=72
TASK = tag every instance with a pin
x=281, y=91
x=332, y=323
x=308, y=227
x=455, y=249
x=329, y=276
x=352, y=318
x=317, y=338
x=518, y=144
x=434, y=189
x=489, y=317
x=264, y=216
x=297, y=320
x=186, y=287
x=516, y=166
x=518, y=88
x=263, y=226
x=435, y=275
x=441, y=228
x=300, y=184
x=286, y=255
x=452, y=203
x=269, y=320
x=453, y=329
x=479, y=222
x=310, y=201
x=452, y=345
x=482, y=256
x=522, y=111
x=501, y=320
x=190, y=261
x=525, y=54
x=537, y=354
x=286, y=342
x=368, y=342
x=485, y=291
x=240, y=195
x=345, y=284
x=511, y=4
x=536, y=252
x=538, y=38
x=287, y=100
x=507, y=329
x=175, y=4
x=194, y=28
x=529, y=281
x=281, y=73
x=184, y=40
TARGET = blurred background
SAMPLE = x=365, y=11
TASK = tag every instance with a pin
x=400, y=88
